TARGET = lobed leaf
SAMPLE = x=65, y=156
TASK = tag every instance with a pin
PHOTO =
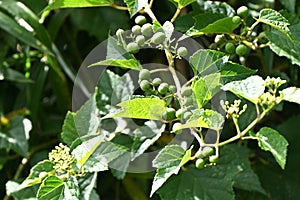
x=291, y=94
x=271, y=140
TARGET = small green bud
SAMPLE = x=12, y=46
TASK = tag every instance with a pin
x=229, y=47
x=119, y=32
x=187, y=115
x=133, y=47
x=163, y=88
x=242, y=11
x=158, y=38
x=147, y=30
x=236, y=20
x=145, y=85
x=200, y=163
x=140, y=40
x=136, y=29
x=176, y=127
x=172, y=88
x=179, y=113
x=188, y=101
x=213, y=158
x=186, y=91
x=140, y=20
x=156, y=82
x=169, y=114
x=144, y=74
x=241, y=50
x=207, y=151
x=182, y=51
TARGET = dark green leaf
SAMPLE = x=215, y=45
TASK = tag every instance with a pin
x=141, y=108
x=234, y=72
x=271, y=140
x=250, y=88
x=69, y=133
x=18, y=134
x=168, y=161
x=184, y=3
x=12, y=189
x=291, y=94
x=51, y=188
x=289, y=4
x=214, y=7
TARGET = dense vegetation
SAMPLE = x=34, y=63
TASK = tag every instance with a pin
x=182, y=99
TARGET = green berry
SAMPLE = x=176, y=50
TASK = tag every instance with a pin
x=229, y=47
x=133, y=47
x=163, y=88
x=186, y=91
x=200, y=163
x=188, y=101
x=179, y=113
x=241, y=50
x=169, y=114
x=145, y=85
x=136, y=29
x=187, y=115
x=147, y=30
x=156, y=82
x=158, y=38
x=207, y=151
x=144, y=74
x=236, y=20
x=243, y=11
x=140, y=40
x=119, y=32
x=213, y=158
x=172, y=88
x=182, y=51
x=140, y=20
x=176, y=128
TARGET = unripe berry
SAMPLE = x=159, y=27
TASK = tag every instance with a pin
x=182, y=51
x=200, y=163
x=207, y=151
x=133, y=47
x=140, y=20
x=241, y=50
x=172, y=88
x=147, y=30
x=229, y=47
x=156, y=82
x=140, y=40
x=136, y=29
x=176, y=127
x=179, y=113
x=144, y=74
x=169, y=114
x=243, y=11
x=158, y=38
x=119, y=32
x=145, y=85
x=213, y=158
x=163, y=88
x=187, y=115
x=186, y=91
x=236, y=20
x=188, y=101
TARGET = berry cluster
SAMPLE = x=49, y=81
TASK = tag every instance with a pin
x=206, y=158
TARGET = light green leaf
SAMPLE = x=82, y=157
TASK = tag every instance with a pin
x=274, y=19
x=37, y=173
x=291, y=94
x=205, y=119
x=134, y=6
x=215, y=27
x=205, y=88
x=234, y=72
x=216, y=7
x=289, y=4
x=118, y=56
x=168, y=161
x=141, y=108
x=51, y=188
x=250, y=88
x=271, y=140
x=71, y=189
x=215, y=182
x=184, y=3
x=77, y=4
x=205, y=62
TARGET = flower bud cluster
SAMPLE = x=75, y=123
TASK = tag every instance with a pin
x=233, y=109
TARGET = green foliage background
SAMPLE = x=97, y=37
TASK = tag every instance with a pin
x=41, y=91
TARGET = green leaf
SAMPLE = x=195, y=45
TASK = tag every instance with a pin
x=71, y=189
x=184, y=3
x=17, y=133
x=118, y=56
x=168, y=161
x=205, y=88
x=250, y=88
x=13, y=75
x=274, y=19
x=36, y=173
x=134, y=6
x=289, y=4
x=141, y=108
x=87, y=184
x=12, y=27
x=51, y=188
x=215, y=7
x=77, y=4
x=291, y=94
x=109, y=93
x=12, y=189
x=216, y=27
x=205, y=119
x=205, y=62
x=234, y=72
x=271, y=140
x=214, y=182
x=284, y=46
x=69, y=133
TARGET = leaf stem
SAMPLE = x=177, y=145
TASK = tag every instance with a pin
x=176, y=14
x=118, y=7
